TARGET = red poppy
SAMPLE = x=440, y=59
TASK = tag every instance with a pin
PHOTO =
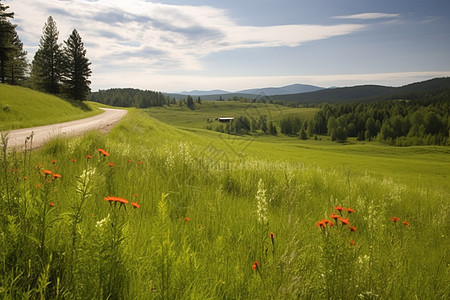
x=54, y=161
x=187, y=219
x=405, y=223
x=352, y=228
x=74, y=160
x=271, y=236
x=339, y=208
x=350, y=210
x=255, y=265
x=395, y=219
x=88, y=156
x=344, y=221
x=51, y=204
x=334, y=216
x=135, y=205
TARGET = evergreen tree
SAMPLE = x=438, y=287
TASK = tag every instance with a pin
x=47, y=63
x=190, y=103
x=7, y=30
x=17, y=64
x=76, y=69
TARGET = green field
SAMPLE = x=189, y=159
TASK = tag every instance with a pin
x=21, y=107
x=208, y=205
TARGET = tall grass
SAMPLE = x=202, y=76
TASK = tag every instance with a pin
x=202, y=223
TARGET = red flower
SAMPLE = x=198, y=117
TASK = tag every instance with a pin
x=344, y=221
x=350, y=210
x=135, y=195
x=110, y=199
x=255, y=265
x=140, y=162
x=56, y=176
x=25, y=178
x=352, y=228
x=122, y=200
x=111, y=164
x=405, y=223
x=339, y=208
x=51, y=204
x=187, y=219
x=395, y=219
x=74, y=160
x=352, y=242
x=128, y=160
x=135, y=205
x=54, y=161
x=88, y=156
x=48, y=172
x=322, y=224
x=101, y=151
x=271, y=236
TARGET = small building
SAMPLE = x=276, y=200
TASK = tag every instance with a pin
x=225, y=120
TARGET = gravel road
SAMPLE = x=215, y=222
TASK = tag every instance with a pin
x=103, y=122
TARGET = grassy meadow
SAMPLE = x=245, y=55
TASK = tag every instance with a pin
x=22, y=107
x=161, y=208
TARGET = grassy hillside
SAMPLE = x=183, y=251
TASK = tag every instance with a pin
x=22, y=107
x=214, y=216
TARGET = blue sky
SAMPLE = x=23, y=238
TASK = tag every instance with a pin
x=232, y=45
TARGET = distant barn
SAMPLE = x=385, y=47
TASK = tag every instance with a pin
x=225, y=120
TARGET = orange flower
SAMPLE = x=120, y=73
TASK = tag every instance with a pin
x=51, y=204
x=122, y=200
x=187, y=219
x=352, y=242
x=135, y=195
x=352, y=228
x=334, y=216
x=255, y=265
x=38, y=185
x=88, y=156
x=74, y=160
x=322, y=224
x=56, y=176
x=405, y=223
x=135, y=205
x=54, y=161
x=110, y=199
x=395, y=219
x=344, y=221
x=48, y=172
x=271, y=236
x=339, y=208
x=128, y=160
x=111, y=164
x=140, y=162
x=101, y=151
x=350, y=210
x=25, y=178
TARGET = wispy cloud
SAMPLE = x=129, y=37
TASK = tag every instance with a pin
x=143, y=34
x=368, y=16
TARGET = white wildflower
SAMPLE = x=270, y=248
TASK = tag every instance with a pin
x=103, y=222
x=261, y=202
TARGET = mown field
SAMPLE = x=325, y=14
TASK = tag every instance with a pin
x=174, y=211
x=21, y=107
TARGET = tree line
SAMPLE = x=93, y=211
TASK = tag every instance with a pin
x=58, y=69
x=129, y=97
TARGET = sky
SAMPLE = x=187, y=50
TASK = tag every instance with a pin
x=180, y=45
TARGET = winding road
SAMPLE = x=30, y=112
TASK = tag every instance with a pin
x=41, y=134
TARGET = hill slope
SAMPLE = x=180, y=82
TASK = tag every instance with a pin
x=22, y=107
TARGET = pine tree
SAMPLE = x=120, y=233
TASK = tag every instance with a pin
x=7, y=30
x=76, y=68
x=47, y=63
x=17, y=64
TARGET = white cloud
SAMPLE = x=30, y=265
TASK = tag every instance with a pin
x=368, y=16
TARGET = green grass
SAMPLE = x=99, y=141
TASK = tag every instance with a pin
x=235, y=191
x=22, y=107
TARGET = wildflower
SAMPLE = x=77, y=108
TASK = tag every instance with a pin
x=51, y=204
x=140, y=162
x=322, y=224
x=88, y=156
x=261, y=203
x=111, y=164
x=25, y=178
x=56, y=176
x=47, y=172
x=255, y=265
x=40, y=166
x=128, y=160
x=74, y=160
x=135, y=205
x=122, y=200
x=38, y=185
x=334, y=216
x=101, y=151
x=339, y=208
x=349, y=210
x=110, y=199
x=328, y=222
x=187, y=219
x=135, y=195
x=352, y=242
x=405, y=223
x=54, y=161
x=395, y=219
x=344, y=221
x=352, y=228
x=271, y=236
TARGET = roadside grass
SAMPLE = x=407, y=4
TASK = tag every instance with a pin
x=207, y=211
x=22, y=107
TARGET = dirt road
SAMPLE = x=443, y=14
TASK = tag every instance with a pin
x=103, y=122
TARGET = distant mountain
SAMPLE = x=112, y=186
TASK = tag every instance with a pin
x=369, y=93
x=284, y=90
x=203, y=93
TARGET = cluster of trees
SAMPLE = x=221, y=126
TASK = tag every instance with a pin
x=402, y=123
x=130, y=98
x=245, y=125
x=56, y=69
